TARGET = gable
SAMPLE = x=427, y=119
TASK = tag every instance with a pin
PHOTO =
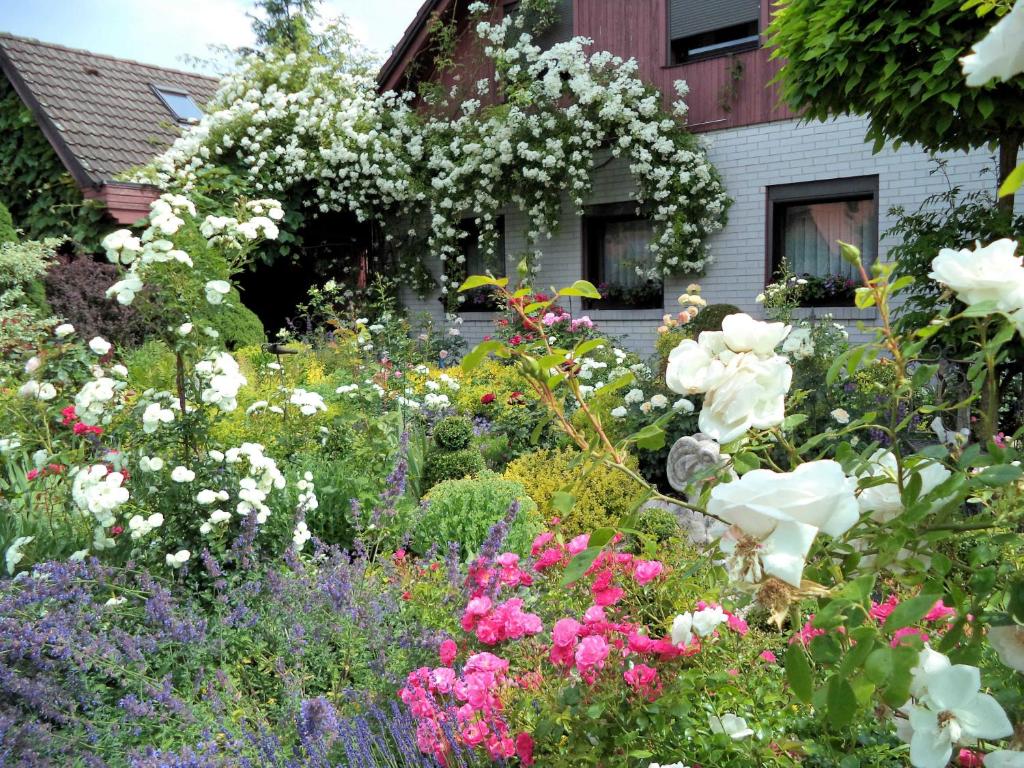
x=101, y=114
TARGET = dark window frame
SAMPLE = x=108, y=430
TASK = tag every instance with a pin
x=779, y=196
x=748, y=39
x=161, y=90
x=593, y=223
x=489, y=303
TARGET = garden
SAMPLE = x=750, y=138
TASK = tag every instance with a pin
x=363, y=542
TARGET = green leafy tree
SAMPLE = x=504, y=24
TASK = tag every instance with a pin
x=898, y=64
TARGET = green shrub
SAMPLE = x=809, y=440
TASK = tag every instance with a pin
x=8, y=234
x=151, y=366
x=465, y=510
x=451, y=465
x=238, y=325
x=453, y=433
x=710, y=319
x=603, y=495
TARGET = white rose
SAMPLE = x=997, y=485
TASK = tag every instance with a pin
x=883, y=501
x=991, y=273
x=1008, y=642
x=99, y=345
x=999, y=54
x=841, y=415
x=63, y=330
x=619, y=413
x=33, y=364
x=798, y=344
x=216, y=290
x=682, y=627
x=705, y=621
x=784, y=511
x=47, y=391
x=693, y=366
x=182, y=475
x=742, y=333
x=750, y=392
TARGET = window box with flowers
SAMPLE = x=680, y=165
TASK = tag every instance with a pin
x=806, y=221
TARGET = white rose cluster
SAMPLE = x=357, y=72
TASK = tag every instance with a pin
x=95, y=398
x=221, y=379
x=743, y=381
x=992, y=274
x=308, y=403
x=99, y=492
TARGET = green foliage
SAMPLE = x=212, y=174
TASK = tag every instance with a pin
x=898, y=64
x=8, y=234
x=463, y=511
x=710, y=319
x=238, y=325
x=602, y=495
x=453, y=433
x=451, y=465
x=40, y=194
x=22, y=268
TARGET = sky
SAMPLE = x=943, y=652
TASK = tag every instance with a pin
x=163, y=31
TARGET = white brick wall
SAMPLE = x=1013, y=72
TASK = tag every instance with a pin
x=750, y=159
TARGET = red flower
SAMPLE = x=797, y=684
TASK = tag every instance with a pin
x=407, y=595
x=32, y=474
x=69, y=415
x=117, y=530
x=516, y=340
x=487, y=399
x=524, y=748
x=516, y=398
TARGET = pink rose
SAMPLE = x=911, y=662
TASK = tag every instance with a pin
x=899, y=634
x=594, y=614
x=646, y=571
x=474, y=733
x=449, y=650
x=579, y=544
x=768, y=656
x=939, y=611
x=540, y=541
x=880, y=611
x=565, y=631
x=548, y=558
x=591, y=654
x=736, y=624
x=610, y=596
x=524, y=748
x=507, y=560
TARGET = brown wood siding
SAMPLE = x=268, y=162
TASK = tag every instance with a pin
x=638, y=29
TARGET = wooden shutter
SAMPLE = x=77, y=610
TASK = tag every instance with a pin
x=687, y=18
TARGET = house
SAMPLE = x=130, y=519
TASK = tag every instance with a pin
x=797, y=187
x=99, y=116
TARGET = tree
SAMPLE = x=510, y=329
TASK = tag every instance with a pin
x=897, y=64
x=284, y=24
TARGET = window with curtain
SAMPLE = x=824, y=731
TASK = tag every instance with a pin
x=619, y=259
x=481, y=262
x=806, y=223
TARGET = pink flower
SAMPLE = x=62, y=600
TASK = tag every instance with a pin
x=548, y=558
x=644, y=680
x=609, y=596
x=591, y=654
x=474, y=733
x=487, y=399
x=736, y=624
x=565, y=631
x=899, y=634
x=968, y=758
x=880, y=611
x=769, y=657
x=540, y=541
x=646, y=571
x=807, y=633
x=507, y=560
x=594, y=614
x=442, y=680
x=939, y=611
x=524, y=748
x=449, y=650
x=32, y=474
x=579, y=544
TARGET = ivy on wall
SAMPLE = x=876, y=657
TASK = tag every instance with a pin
x=37, y=189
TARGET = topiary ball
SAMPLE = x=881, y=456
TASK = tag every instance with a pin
x=710, y=318
x=453, y=433
x=451, y=465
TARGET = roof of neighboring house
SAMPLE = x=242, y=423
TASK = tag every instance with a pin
x=410, y=44
x=100, y=113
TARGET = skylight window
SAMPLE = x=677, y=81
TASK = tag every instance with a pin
x=180, y=103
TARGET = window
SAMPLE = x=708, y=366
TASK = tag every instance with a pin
x=700, y=29
x=617, y=250
x=181, y=105
x=482, y=262
x=805, y=221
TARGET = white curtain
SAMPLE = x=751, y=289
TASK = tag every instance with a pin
x=811, y=232
x=626, y=247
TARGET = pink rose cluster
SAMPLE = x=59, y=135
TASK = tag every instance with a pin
x=553, y=318
x=939, y=614
x=495, y=624
x=466, y=706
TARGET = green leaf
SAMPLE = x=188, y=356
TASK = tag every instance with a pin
x=562, y=501
x=1001, y=474
x=981, y=309
x=476, y=281
x=798, y=672
x=1012, y=182
x=579, y=565
x=864, y=298
x=878, y=665
x=1015, y=607
x=587, y=346
x=600, y=537
x=582, y=288
x=479, y=352
x=842, y=702
x=908, y=612
x=651, y=437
